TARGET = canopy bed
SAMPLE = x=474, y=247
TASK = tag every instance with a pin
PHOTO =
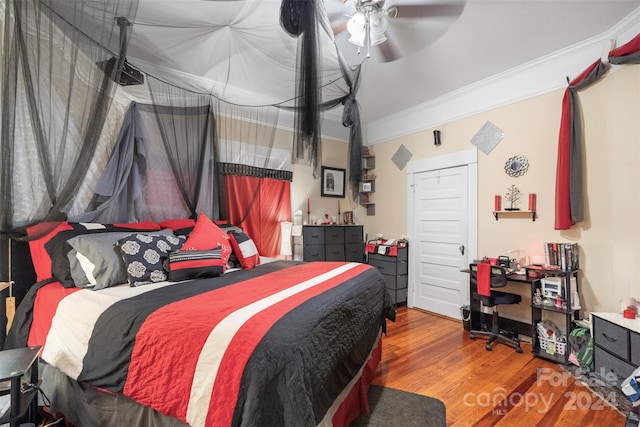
x=90, y=167
x=270, y=342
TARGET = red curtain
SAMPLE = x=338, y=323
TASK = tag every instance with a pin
x=628, y=53
x=259, y=205
x=569, y=197
x=568, y=140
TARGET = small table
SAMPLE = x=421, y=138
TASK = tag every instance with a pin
x=13, y=365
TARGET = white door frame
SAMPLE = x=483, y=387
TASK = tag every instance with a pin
x=467, y=158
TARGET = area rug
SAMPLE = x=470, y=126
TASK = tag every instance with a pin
x=606, y=391
x=391, y=407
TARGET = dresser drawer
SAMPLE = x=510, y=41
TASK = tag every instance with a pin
x=635, y=348
x=312, y=235
x=403, y=254
x=313, y=252
x=398, y=296
x=353, y=234
x=385, y=265
x=334, y=235
x=354, y=252
x=611, y=336
x=334, y=252
x=395, y=282
x=613, y=368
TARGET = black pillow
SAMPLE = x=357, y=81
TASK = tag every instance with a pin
x=144, y=256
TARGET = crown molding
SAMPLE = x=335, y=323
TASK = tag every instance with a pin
x=534, y=78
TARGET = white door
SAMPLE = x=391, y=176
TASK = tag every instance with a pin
x=440, y=242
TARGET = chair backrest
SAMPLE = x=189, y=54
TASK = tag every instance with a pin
x=486, y=276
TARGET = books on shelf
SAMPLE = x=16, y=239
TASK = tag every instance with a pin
x=563, y=255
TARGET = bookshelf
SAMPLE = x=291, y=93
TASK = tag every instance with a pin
x=558, y=277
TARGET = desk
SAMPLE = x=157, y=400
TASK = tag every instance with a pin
x=560, y=353
x=476, y=314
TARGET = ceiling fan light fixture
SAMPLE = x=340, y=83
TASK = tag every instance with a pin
x=356, y=26
x=378, y=23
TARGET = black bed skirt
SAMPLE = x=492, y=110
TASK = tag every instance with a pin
x=85, y=406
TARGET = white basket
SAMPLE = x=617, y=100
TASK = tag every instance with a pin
x=561, y=347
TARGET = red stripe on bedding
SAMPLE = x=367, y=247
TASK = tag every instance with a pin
x=185, y=326
x=227, y=384
x=44, y=308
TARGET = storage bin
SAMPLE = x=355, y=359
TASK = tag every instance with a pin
x=561, y=347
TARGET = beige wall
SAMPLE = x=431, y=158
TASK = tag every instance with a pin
x=306, y=187
x=609, y=238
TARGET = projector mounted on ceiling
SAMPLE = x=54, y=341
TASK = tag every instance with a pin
x=128, y=76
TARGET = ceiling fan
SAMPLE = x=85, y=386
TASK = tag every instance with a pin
x=393, y=30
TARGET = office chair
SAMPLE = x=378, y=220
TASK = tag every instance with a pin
x=484, y=278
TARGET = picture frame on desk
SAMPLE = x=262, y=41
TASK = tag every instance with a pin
x=332, y=182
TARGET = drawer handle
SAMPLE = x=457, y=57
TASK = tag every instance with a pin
x=609, y=338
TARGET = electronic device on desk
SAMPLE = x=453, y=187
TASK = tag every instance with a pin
x=504, y=261
x=551, y=287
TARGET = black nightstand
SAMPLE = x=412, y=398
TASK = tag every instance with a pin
x=13, y=365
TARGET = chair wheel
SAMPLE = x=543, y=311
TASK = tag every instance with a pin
x=488, y=347
x=518, y=350
x=472, y=336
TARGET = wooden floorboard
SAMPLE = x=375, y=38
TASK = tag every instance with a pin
x=432, y=355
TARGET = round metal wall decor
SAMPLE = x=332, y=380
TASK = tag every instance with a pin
x=516, y=166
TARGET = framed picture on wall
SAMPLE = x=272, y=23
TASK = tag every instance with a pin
x=332, y=182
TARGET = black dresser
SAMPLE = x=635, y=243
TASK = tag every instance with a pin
x=332, y=243
x=394, y=269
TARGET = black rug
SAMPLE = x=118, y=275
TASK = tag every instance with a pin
x=391, y=407
x=606, y=391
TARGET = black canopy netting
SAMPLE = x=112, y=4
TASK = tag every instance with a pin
x=75, y=146
x=57, y=102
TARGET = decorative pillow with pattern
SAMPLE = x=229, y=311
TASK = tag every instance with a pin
x=94, y=259
x=185, y=265
x=245, y=250
x=144, y=256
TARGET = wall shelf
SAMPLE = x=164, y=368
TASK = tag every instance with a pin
x=515, y=214
x=367, y=184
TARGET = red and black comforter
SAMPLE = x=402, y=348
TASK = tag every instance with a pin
x=275, y=345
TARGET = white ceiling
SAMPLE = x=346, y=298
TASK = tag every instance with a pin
x=489, y=37
x=238, y=50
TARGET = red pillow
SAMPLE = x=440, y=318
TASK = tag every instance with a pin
x=205, y=236
x=143, y=225
x=39, y=255
x=177, y=224
x=245, y=250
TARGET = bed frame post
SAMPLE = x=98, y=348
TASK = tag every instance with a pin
x=5, y=276
x=16, y=266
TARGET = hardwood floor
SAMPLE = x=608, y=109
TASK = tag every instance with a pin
x=431, y=355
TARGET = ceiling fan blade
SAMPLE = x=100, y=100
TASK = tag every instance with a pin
x=426, y=9
x=387, y=52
